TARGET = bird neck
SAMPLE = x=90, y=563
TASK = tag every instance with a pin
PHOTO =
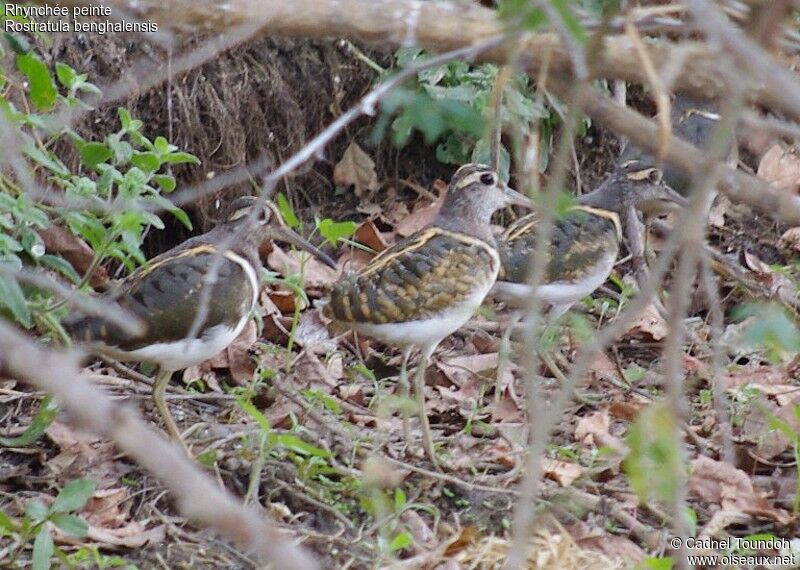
x=467, y=218
x=607, y=196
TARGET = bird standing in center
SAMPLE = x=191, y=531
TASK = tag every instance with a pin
x=428, y=285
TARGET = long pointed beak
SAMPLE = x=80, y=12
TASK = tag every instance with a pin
x=289, y=236
x=515, y=198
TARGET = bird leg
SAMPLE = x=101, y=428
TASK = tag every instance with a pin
x=159, y=388
x=634, y=231
x=504, y=353
x=419, y=390
x=405, y=394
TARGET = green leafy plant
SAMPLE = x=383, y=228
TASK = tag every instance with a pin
x=35, y=524
x=105, y=201
x=44, y=417
x=654, y=455
x=451, y=106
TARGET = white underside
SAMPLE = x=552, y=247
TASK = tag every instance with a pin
x=425, y=332
x=184, y=353
x=558, y=293
x=181, y=354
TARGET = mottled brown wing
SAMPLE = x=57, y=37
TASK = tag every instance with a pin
x=580, y=240
x=417, y=278
x=166, y=295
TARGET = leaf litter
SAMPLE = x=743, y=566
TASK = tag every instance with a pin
x=339, y=404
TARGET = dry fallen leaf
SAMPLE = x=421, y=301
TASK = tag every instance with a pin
x=649, y=323
x=593, y=430
x=72, y=248
x=790, y=239
x=562, y=472
x=781, y=167
x=756, y=429
x=723, y=484
x=461, y=369
x=315, y=274
x=356, y=169
x=618, y=548
x=420, y=217
x=369, y=235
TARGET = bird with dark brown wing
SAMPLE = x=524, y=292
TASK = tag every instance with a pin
x=167, y=294
x=428, y=285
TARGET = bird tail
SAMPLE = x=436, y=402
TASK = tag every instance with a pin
x=94, y=329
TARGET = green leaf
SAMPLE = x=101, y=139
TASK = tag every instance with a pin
x=182, y=217
x=12, y=298
x=94, y=153
x=296, y=444
x=74, y=495
x=66, y=75
x=654, y=455
x=45, y=159
x=17, y=43
x=47, y=413
x=287, y=213
x=652, y=563
x=165, y=181
x=40, y=82
x=399, y=499
x=37, y=511
x=147, y=161
x=401, y=541
x=6, y=523
x=573, y=25
x=43, y=550
x=335, y=231
x=71, y=524
x=181, y=158
x=60, y=265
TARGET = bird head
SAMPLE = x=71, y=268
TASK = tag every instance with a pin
x=259, y=219
x=476, y=192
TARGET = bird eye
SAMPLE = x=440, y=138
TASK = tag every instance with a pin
x=488, y=179
x=264, y=215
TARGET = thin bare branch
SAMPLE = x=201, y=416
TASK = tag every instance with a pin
x=367, y=106
x=198, y=496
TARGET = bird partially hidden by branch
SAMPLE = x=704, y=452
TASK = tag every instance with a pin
x=209, y=283
x=428, y=285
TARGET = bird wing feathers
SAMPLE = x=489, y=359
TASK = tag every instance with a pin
x=580, y=240
x=165, y=296
x=417, y=278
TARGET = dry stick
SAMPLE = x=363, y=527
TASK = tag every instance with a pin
x=692, y=237
x=780, y=81
x=367, y=104
x=198, y=497
x=657, y=85
x=90, y=305
x=575, y=50
x=497, y=115
x=717, y=356
x=738, y=186
x=443, y=26
x=524, y=512
x=549, y=412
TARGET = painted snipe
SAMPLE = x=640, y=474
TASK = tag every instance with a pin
x=693, y=121
x=583, y=247
x=428, y=285
x=167, y=294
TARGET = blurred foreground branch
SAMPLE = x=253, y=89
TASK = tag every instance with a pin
x=443, y=26
x=197, y=496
